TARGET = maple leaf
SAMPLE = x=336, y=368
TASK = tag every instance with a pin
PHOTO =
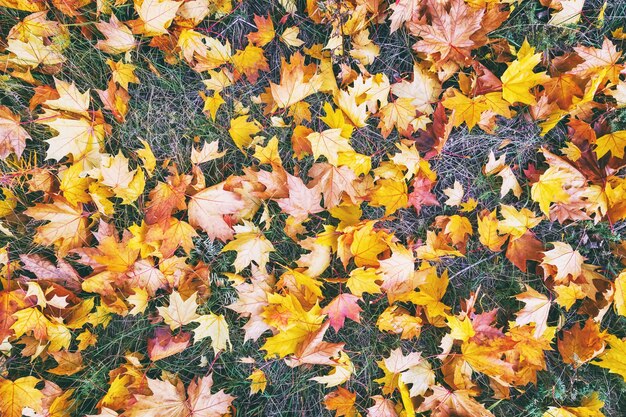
x=164, y=344
x=215, y=327
x=249, y=62
x=517, y=222
x=241, y=131
x=302, y=200
x=399, y=114
x=209, y=152
x=156, y=15
x=12, y=135
x=167, y=197
x=413, y=369
x=169, y=400
x=208, y=207
x=70, y=99
x=328, y=144
x=549, y=188
x=619, y=297
x=454, y=194
x=422, y=195
x=296, y=324
x=119, y=38
x=382, y=407
x=265, y=32
x=519, y=76
x=579, y=344
x=449, y=32
x=459, y=403
x=67, y=227
x=363, y=280
x=123, y=74
x=569, y=14
x=614, y=142
x=17, y=395
x=403, y=11
x=296, y=83
x=251, y=246
x=314, y=351
x=347, y=102
x=423, y=90
x=179, y=312
x=488, y=232
x=334, y=183
x=526, y=248
x=566, y=261
x=598, y=61
x=613, y=359
x=68, y=363
x=391, y=194
x=568, y=294
x=341, y=372
x=398, y=272
x=115, y=100
x=471, y=110
x=342, y=306
x=79, y=138
x=258, y=381
x=367, y=245
x=290, y=37
x=431, y=291
x=341, y=401
x=536, y=310
x=34, y=52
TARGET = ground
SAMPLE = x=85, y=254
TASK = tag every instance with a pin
x=166, y=111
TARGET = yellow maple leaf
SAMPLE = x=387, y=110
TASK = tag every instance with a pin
x=74, y=186
x=488, y=232
x=213, y=326
x=156, y=15
x=517, y=222
x=328, y=144
x=294, y=322
x=12, y=135
x=536, y=310
x=431, y=291
x=250, y=61
x=519, y=77
x=614, y=142
x=399, y=114
x=79, y=138
x=363, y=280
x=460, y=329
x=122, y=73
x=241, y=131
x=179, y=312
x=251, y=246
x=17, y=395
x=212, y=104
x=259, y=381
x=391, y=194
x=33, y=52
x=614, y=359
x=269, y=154
x=366, y=245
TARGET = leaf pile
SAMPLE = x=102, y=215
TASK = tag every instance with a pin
x=335, y=152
